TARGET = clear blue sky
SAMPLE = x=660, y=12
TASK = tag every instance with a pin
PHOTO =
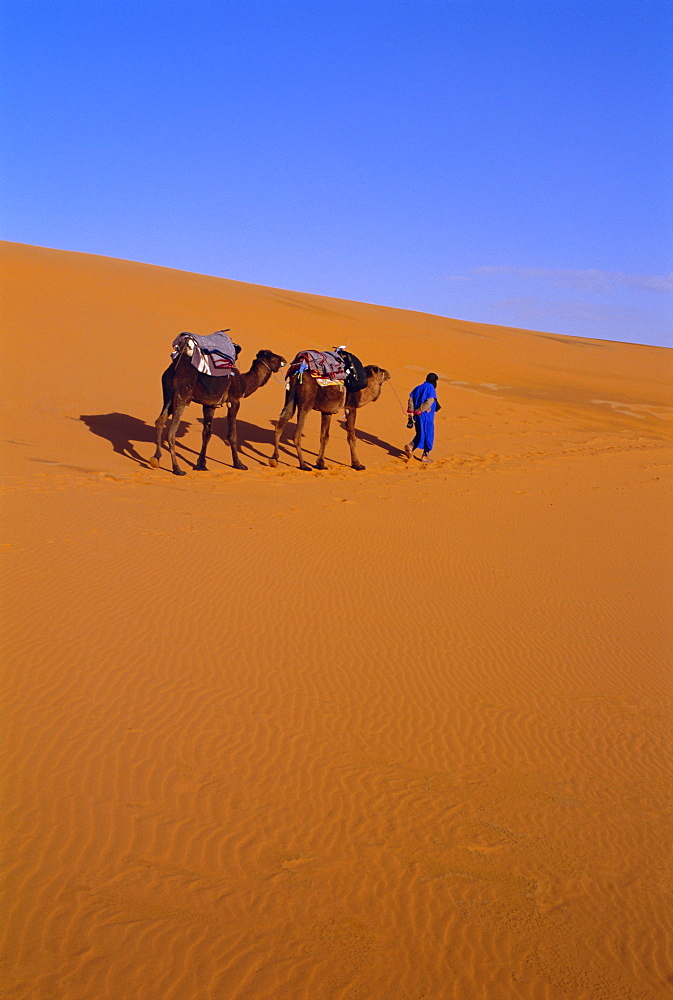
x=504, y=161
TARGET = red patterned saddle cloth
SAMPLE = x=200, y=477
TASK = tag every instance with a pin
x=327, y=365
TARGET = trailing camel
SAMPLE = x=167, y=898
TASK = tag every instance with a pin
x=304, y=394
x=182, y=384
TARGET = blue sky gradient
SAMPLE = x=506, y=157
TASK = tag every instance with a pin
x=503, y=161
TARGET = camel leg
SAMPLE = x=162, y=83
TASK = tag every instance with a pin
x=351, y=412
x=208, y=412
x=326, y=419
x=232, y=434
x=285, y=415
x=160, y=423
x=301, y=420
x=178, y=410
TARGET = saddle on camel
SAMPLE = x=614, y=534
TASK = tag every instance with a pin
x=203, y=370
x=214, y=354
x=326, y=381
x=337, y=367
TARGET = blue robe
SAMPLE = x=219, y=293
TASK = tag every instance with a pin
x=425, y=422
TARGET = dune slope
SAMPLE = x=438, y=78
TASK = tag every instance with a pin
x=391, y=735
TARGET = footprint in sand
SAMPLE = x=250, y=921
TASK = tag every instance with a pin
x=293, y=865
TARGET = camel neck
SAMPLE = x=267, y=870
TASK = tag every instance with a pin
x=258, y=376
x=370, y=393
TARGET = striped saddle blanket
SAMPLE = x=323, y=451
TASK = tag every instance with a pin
x=211, y=355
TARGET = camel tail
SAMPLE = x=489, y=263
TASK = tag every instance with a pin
x=290, y=406
x=286, y=413
x=167, y=388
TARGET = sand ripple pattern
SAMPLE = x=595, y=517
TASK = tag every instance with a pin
x=344, y=789
x=396, y=735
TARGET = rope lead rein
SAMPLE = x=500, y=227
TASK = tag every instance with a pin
x=390, y=383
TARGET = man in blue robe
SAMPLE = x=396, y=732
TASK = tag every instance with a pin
x=421, y=410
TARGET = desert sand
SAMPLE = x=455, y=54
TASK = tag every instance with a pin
x=388, y=735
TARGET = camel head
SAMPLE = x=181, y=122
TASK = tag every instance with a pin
x=272, y=361
x=376, y=375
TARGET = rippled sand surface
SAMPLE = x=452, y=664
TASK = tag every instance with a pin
x=402, y=734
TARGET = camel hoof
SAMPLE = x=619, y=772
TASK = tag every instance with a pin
x=200, y=468
x=239, y=465
x=154, y=462
x=320, y=466
x=273, y=462
x=359, y=468
x=305, y=468
x=179, y=472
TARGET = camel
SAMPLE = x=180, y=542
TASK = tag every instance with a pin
x=182, y=384
x=304, y=394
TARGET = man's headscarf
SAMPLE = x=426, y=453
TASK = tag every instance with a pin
x=432, y=378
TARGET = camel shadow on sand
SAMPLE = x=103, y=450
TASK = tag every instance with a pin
x=287, y=448
x=251, y=438
x=124, y=432
x=258, y=441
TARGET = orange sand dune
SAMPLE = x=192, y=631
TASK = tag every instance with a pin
x=388, y=735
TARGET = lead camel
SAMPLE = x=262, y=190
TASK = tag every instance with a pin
x=304, y=394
